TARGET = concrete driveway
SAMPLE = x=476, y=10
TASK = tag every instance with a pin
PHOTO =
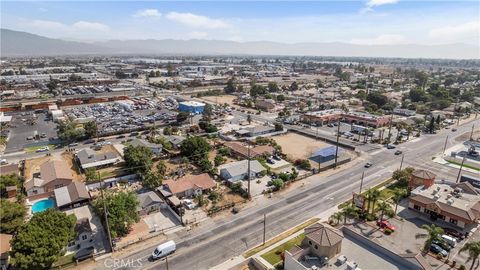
x=162, y=220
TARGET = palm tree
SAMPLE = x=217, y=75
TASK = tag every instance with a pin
x=349, y=211
x=473, y=249
x=409, y=130
x=398, y=195
x=337, y=216
x=372, y=197
x=433, y=233
x=383, y=206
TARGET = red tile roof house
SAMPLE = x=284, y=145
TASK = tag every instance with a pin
x=188, y=186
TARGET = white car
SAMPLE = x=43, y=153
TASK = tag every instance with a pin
x=189, y=204
x=43, y=149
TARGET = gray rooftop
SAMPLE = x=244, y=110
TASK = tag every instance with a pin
x=241, y=167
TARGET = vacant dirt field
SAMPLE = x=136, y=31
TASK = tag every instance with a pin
x=296, y=146
x=33, y=166
x=68, y=157
x=221, y=99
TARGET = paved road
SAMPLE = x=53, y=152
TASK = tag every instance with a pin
x=216, y=241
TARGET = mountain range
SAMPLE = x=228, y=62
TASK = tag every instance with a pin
x=16, y=43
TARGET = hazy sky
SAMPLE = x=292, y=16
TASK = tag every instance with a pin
x=360, y=22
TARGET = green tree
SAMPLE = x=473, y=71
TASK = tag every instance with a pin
x=249, y=119
x=91, y=175
x=473, y=249
x=12, y=216
x=161, y=168
x=403, y=176
x=205, y=165
x=69, y=132
x=417, y=95
x=383, y=207
x=433, y=233
x=138, y=159
x=377, y=99
x=431, y=125
x=90, y=129
x=349, y=211
x=7, y=180
x=219, y=160
x=152, y=180
x=40, y=242
x=293, y=86
x=337, y=216
x=122, y=211
x=277, y=183
x=230, y=87
x=182, y=117
x=398, y=195
x=195, y=148
x=372, y=196
x=207, y=112
x=305, y=164
x=273, y=87
x=278, y=127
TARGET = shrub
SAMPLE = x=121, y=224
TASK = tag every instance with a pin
x=387, y=231
x=439, y=256
x=462, y=267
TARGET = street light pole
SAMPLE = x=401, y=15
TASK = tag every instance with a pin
x=445, y=146
x=361, y=183
x=249, y=177
x=264, y=226
x=471, y=134
x=460, y=170
x=338, y=138
x=401, y=162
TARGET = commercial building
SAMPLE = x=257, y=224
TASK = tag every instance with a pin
x=405, y=112
x=455, y=204
x=420, y=177
x=334, y=115
x=255, y=131
x=324, y=154
x=191, y=107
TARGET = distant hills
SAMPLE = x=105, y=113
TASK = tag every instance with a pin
x=16, y=43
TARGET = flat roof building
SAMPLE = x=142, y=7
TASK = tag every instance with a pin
x=191, y=107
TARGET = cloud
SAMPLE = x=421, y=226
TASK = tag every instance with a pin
x=90, y=26
x=42, y=9
x=198, y=35
x=197, y=21
x=147, y=13
x=387, y=39
x=456, y=33
x=375, y=3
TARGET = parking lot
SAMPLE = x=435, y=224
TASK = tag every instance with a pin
x=23, y=126
x=125, y=116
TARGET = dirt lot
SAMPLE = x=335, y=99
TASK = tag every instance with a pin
x=221, y=99
x=465, y=136
x=68, y=157
x=33, y=166
x=296, y=146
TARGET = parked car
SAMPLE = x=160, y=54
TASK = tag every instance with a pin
x=120, y=136
x=454, y=129
x=29, y=138
x=189, y=204
x=442, y=244
x=164, y=249
x=72, y=144
x=235, y=210
x=330, y=125
x=43, y=149
x=391, y=146
x=452, y=241
x=3, y=161
x=454, y=233
x=398, y=152
x=438, y=250
x=368, y=164
x=385, y=224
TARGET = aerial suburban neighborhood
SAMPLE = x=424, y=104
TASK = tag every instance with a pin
x=119, y=160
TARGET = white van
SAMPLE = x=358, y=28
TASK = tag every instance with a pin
x=164, y=249
x=450, y=240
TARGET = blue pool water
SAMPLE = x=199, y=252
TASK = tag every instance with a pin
x=43, y=205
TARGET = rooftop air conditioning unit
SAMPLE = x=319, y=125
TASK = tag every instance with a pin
x=450, y=201
x=436, y=196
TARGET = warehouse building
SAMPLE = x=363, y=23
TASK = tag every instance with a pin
x=191, y=107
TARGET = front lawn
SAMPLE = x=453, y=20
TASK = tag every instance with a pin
x=274, y=255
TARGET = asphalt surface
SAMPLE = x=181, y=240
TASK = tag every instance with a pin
x=216, y=241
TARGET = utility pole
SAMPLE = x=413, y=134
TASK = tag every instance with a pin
x=249, y=177
x=166, y=262
x=445, y=146
x=361, y=183
x=471, y=134
x=460, y=170
x=264, y=226
x=338, y=138
x=401, y=162
x=106, y=218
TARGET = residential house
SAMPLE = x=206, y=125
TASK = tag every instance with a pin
x=73, y=195
x=456, y=204
x=175, y=140
x=4, y=250
x=149, y=202
x=53, y=174
x=88, y=158
x=10, y=169
x=240, y=150
x=84, y=238
x=156, y=148
x=265, y=105
x=188, y=186
x=238, y=170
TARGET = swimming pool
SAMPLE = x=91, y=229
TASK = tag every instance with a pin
x=43, y=205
